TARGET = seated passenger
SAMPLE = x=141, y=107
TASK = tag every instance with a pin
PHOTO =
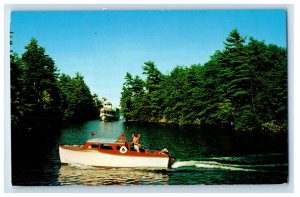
x=136, y=142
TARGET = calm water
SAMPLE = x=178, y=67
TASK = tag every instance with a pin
x=202, y=156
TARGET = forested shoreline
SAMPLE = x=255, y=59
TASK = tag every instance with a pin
x=243, y=86
x=41, y=97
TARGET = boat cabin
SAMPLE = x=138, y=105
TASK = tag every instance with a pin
x=111, y=147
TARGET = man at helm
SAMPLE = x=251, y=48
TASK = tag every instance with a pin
x=136, y=142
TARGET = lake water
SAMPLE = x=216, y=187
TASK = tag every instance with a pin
x=202, y=156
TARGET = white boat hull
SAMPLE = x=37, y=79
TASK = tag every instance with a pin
x=100, y=159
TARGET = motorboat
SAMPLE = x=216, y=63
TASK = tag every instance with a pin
x=114, y=154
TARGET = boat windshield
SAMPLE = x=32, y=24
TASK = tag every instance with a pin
x=120, y=139
x=102, y=140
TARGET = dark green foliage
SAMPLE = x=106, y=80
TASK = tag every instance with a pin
x=77, y=101
x=40, y=97
x=35, y=102
x=41, y=94
x=270, y=82
x=97, y=103
x=244, y=86
x=127, y=93
x=17, y=109
x=176, y=93
x=153, y=87
x=135, y=101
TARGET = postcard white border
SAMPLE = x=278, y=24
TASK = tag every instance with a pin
x=285, y=188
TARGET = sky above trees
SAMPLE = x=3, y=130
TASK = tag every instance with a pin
x=104, y=45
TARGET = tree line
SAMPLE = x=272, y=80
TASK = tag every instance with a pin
x=243, y=86
x=41, y=95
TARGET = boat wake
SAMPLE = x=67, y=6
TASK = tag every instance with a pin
x=211, y=165
x=80, y=166
x=244, y=163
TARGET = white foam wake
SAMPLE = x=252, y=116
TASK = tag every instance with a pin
x=80, y=166
x=211, y=164
x=179, y=164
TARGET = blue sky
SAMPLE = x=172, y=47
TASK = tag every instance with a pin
x=104, y=45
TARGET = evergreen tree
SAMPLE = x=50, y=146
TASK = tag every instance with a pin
x=238, y=80
x=16, y=95
x=216, y=107
x=67, y=96
x=175, y=93
x=41, y=95
x=153, y=86
x=140, y=101
x=244, y=86
x=76, y=98
x=126, y=97
x=97, y=102
x=270, y=84
x=85, y=103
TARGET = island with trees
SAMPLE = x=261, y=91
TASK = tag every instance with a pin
x=243, y=86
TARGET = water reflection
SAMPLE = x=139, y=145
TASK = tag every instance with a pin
x=80, y=133
x=84, y=175
x=202, y=156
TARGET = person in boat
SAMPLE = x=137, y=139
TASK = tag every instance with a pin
x=122, y=138
x=93, y=134
x=136, y=142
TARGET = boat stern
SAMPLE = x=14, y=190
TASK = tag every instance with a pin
x=62, y=154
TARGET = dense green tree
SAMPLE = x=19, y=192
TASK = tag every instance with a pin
x=244, y=86
x=35, y=101
x=16, y=95
x=41, y=94
x=68, y=99
x=239, y=80
x=213, y=93
x=270, y=81
x=140, y=101
x=77, y=100
x=175, y=103
x=126, y=96
x=154, y=76
x=135, y=101
x=153, y=85
x=85, y=101
x=97, y=102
